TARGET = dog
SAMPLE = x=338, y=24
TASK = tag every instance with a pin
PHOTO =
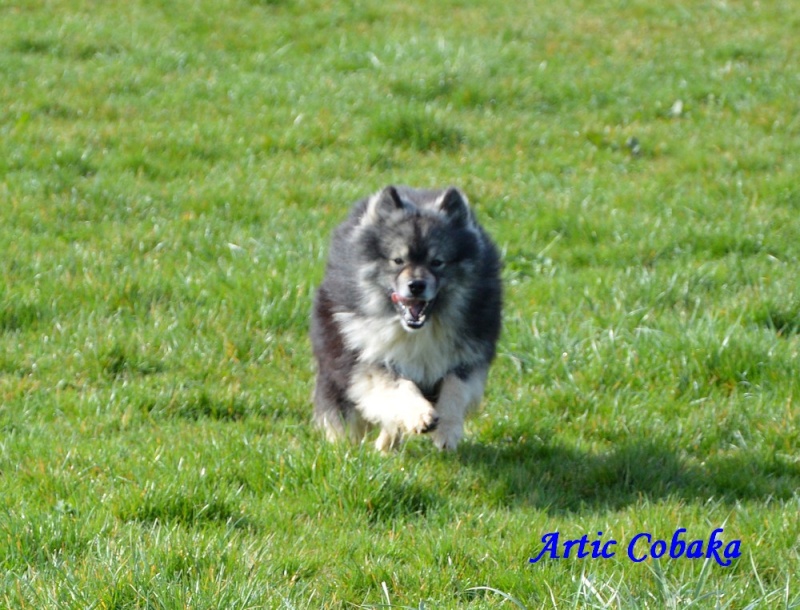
x=406, y=320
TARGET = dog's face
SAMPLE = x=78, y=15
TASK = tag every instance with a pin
x=416, y=254
x=413, y=276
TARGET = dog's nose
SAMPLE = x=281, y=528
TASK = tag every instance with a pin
x=417, y=287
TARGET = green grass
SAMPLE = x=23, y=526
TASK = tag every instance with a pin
x=169, y=175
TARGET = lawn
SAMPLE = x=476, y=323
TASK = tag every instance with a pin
x=169, y=174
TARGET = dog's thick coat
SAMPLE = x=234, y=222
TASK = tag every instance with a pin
x=405, y=323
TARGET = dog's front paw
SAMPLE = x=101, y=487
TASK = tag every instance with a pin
x=421, y=419
x=446, y=437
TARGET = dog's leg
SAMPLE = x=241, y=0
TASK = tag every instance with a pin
x=393, y=403
x=335, y=414
x=387, y=441
x=459, y=395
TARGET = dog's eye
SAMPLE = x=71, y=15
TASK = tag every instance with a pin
x=398, y=261
x=436, y=263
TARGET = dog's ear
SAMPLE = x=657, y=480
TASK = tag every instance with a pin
x=385, y=205
x=389, y=200
x=454, y=205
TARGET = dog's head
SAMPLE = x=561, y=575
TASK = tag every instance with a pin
x=417, y=249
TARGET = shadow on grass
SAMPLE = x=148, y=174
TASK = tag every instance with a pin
x=562, y=479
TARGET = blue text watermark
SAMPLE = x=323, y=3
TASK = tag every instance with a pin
x=641, y=547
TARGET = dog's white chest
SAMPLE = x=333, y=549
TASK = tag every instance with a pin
x=424, y=356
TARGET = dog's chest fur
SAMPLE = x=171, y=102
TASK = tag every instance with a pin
x=424, y=357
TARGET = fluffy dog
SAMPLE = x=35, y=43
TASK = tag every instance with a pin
x=406, y=320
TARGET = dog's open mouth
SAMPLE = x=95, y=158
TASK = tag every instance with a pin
x=412, y=311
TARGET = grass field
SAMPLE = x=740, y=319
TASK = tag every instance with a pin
x=169, y=174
